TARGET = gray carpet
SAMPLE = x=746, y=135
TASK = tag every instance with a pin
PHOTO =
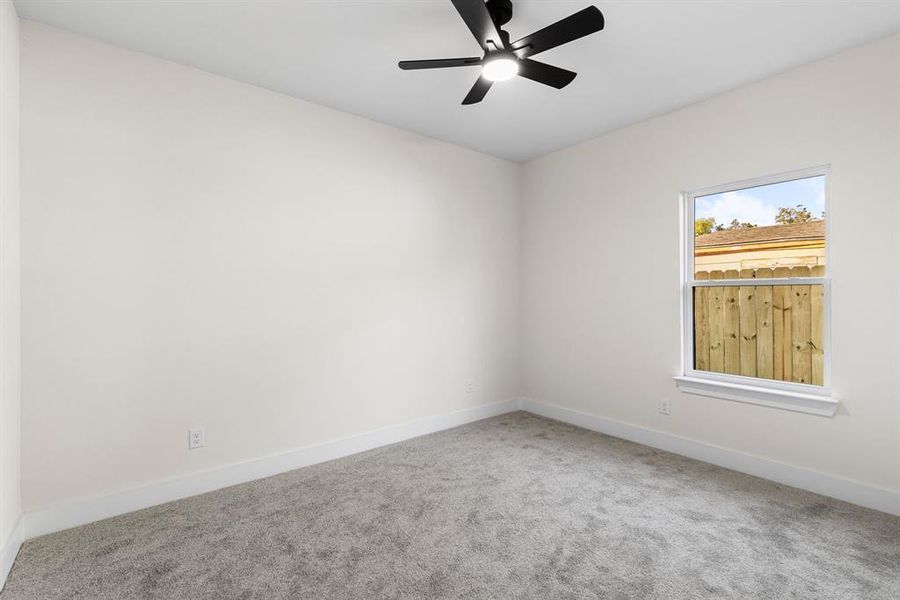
x=512, y=507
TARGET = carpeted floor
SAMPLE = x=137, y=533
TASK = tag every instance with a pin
x=515, y=507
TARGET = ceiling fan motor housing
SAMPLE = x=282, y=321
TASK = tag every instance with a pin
x=500, y=10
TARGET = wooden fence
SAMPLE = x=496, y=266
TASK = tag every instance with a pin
x=774, y=332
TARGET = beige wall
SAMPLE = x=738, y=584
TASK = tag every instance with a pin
x=600, y=310
x=201, y=252
x=10, y=506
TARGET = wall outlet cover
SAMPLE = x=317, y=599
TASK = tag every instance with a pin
x=196, y=438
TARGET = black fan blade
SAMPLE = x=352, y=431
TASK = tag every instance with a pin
x=478, y=91
x=476, y=16
x=546, y=74
x=582, y=23
x=439, y=63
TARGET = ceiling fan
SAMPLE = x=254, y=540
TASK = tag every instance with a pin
x=503, y=60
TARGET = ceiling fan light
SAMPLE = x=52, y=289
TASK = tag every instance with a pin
x=500, y=69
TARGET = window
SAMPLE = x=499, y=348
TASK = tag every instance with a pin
x=756, y=292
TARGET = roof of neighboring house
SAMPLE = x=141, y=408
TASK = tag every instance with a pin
x=811, y=230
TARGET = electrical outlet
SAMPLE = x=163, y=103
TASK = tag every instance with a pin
x=195, y=438
x=664, y=407
x=470, y=387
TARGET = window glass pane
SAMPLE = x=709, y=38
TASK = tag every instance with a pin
x=776, y=226
x=756, y=330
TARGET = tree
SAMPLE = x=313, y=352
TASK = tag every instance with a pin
x=709, y=225
x=799, y=214
x=704, y=226
x=736, y=225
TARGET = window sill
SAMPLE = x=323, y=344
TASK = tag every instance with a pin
x=815, y=404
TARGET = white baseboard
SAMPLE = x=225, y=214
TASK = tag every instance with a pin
x=72, y=514
x=80, y=512
x=828, y=485
x=10, y=549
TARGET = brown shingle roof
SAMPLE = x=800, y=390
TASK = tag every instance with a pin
x=812, y=230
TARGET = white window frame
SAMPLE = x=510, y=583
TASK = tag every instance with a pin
x=800, y=397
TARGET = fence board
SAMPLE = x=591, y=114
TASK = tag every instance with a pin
x=754, y=330
x=817, y=333
x=716, y=305
x=701, y=325
x=781, y=327
x=765, y=360
x=801, y=329
x=747, y=320
x=731, y=296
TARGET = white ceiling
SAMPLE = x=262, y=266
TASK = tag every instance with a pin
x=653, y=57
